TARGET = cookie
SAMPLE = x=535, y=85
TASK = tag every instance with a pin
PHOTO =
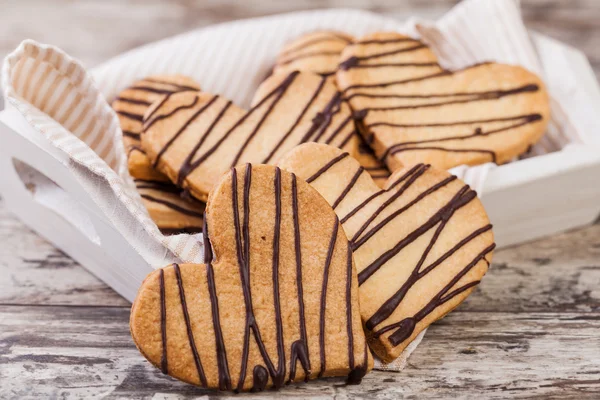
x=194, y=138
x=275, y=302
x=412, y=110
x=420, y=245
x=168, y=207
x=320, y=52
x=132, y=103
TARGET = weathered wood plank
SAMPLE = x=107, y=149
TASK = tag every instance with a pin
x=84, y=351
x=560, y=273
x=34, y=272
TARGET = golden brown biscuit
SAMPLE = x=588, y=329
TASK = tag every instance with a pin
x=275, y=302
x=420, y=245
x=413, y=110
x=320, y=52
x=194, y=138
x=131, y=105
x=168, y=208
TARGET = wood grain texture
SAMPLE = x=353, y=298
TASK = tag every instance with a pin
x=530, y=330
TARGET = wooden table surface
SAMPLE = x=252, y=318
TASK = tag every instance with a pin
x=531, y=330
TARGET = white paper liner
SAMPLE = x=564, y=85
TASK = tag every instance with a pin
x=60, y=99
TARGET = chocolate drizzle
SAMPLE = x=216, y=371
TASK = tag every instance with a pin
x=462, y=198
x=172, y=205
x=406, y=326
x=392, y=303
x=265, y=373
x=299, y=350
x=348, y=187
x=136, y=102
x=222, y=365
x=151, y=121
x=182, y=129
x=190, y=334
x=291, y=129
x=164, y=188
x=243, y=253
x=354, y=61
x=322, y=128
x=427, y=100
x=463, y=97
x=520, y=120
x=410, y=180
x=324, y=297
x=130, y=115
x=279, y=92
x=438, y=221
x=164, y=363
x=324, y=168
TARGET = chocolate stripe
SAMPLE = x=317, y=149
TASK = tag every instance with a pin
x=299, y=350
x=324, y=297
x=149, y=122
x=353, y=61
x=396, y=213
x=190, y=334
x=387, y=308
x=133, y=116
x=462, y=198
x=324, y=169
x=491, y=153
x=132, y=101
x=222, y=366
x=356, y=243
x=243, y=252
x=475, y=97
x=349, y=307
x=406, y=327
x=348, y=187
x=379, y=193
x=280, y=92
x=131, y=134
x=183, y=128
x=297, y=121
x=279, y=377
x=173, y=206
x=477, y=133
x=455, y=123
x=164, y=366
x=187, y=167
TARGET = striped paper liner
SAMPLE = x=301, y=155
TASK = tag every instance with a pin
x=69, y=105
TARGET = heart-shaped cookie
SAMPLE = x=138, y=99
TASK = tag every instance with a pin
x=168, y=208
x=275, y=302
x=170, y=212
x=132, y=103
x=413, y=110
x=420, y=245
x=318, y=52
x=195, y=137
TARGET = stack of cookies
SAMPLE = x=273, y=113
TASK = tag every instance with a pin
x=331, y=227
